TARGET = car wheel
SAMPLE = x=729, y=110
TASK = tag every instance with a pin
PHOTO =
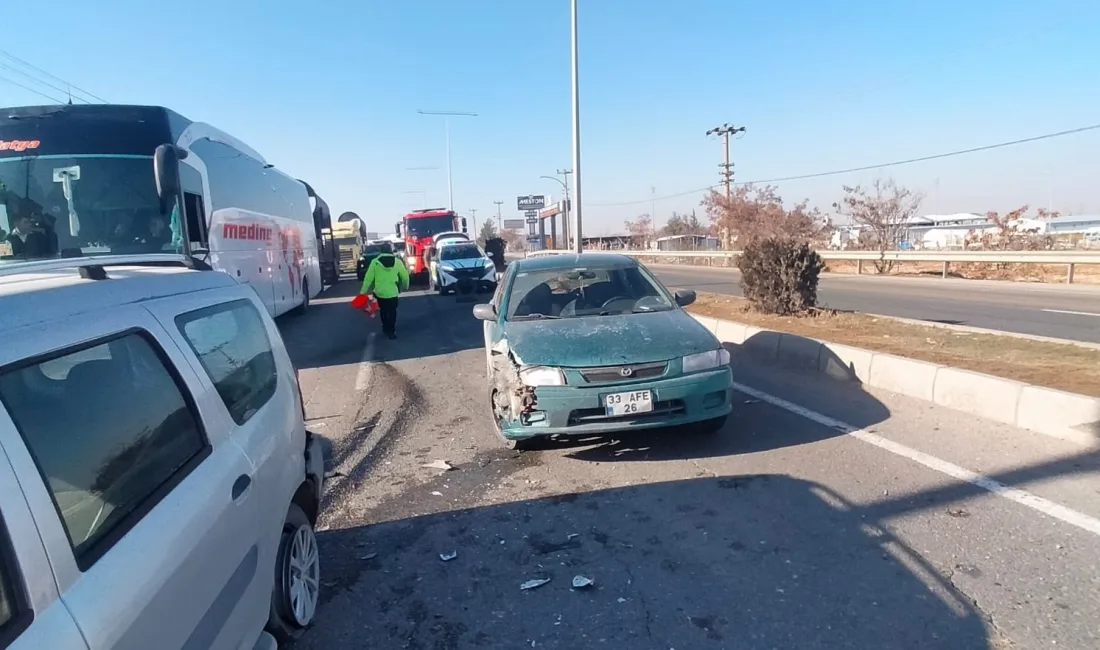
x=708, y=427
x=297, y=589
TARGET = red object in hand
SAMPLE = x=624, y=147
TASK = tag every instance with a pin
x=372, y=306
x=360, y=301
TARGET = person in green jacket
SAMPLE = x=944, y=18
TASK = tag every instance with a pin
x=390, y=277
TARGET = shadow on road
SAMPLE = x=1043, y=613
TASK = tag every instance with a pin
x=760, y=561
x=749, y=428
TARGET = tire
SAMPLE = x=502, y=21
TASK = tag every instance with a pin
x=304, y=307
x=708, y=427
x=290, y=617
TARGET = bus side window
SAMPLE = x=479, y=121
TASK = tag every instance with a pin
x=193, y=206
x=196, y=218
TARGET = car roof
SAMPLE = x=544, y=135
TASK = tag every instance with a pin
x=40, y=293
x=572, y=260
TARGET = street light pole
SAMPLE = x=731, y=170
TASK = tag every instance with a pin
x=447, y=115
x=578, y=245
x=565, y=188
x=500, y=220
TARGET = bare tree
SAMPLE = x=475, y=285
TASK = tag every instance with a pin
x=640, y=230
x=752, y=213
x=884, y=211
x=1012, y=235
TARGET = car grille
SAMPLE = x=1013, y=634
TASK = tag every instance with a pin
x=598, y=415
x=468, y=274
x=608, y=374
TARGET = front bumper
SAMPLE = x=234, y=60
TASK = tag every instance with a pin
x=578, y=410
x=468, y=280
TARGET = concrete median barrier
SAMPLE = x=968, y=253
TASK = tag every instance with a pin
x=1054, y=413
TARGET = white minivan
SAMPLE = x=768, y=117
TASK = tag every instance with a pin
x=158, y=488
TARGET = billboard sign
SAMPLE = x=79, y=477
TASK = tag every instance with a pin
x=530, y=213
x=532, y=220
x=513, y=224
x=531, y=202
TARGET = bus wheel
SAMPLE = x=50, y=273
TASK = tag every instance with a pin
x=304, y=306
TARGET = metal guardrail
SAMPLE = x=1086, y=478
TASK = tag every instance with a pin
x=1069, y=258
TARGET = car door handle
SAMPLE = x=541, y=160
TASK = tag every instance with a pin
x=240, y=486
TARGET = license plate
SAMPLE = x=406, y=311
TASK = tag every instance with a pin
x=636, y=401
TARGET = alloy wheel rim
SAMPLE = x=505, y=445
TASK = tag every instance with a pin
x=304, y=573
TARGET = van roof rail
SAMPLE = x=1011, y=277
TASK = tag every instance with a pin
x=93, y=267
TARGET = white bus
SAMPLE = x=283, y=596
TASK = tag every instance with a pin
x=86, y=180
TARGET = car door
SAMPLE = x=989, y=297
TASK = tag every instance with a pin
x=240, y=360
x=492, y=329
x=32, y=615
x=143, y=507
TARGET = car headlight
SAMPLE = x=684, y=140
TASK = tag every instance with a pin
x=706, y=360
x=446, y=267
x=542, y=376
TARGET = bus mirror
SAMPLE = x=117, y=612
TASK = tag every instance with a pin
x=166, y=171
x=464, y=229
x=397, y=229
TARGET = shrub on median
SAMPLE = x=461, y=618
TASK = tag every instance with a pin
x=779, y=275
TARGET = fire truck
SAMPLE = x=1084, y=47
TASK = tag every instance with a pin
x=416, y=230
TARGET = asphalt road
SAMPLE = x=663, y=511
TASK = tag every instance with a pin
x=1065, y=312
x=782, y=531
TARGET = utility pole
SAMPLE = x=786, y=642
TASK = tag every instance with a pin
x=726, y=167
x=500, y=221
x=565, y=225
x=473, y=215
x=578, y=241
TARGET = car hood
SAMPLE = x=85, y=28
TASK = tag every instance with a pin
x=465, y=263
x=608, y=340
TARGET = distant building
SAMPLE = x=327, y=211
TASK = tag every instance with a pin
x=687, y=243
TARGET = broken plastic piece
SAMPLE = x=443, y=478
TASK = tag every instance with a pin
x=438, y=464
x=437, y=493
x=447, y=557
x=534, y=584
x=572, y=535
x=580, y=582
x=369, y=556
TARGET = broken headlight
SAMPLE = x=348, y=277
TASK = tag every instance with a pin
x=541, y=376
x=706, y=360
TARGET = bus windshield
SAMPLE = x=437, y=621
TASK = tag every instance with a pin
x=425, y=226
x=74, y=205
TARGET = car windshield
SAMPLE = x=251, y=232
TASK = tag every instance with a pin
x=459, y=252
x=424, y=226
x=580, y=291
x=375, y=249
x=52, y=206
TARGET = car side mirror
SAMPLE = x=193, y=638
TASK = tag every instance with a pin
x=485, y=311
x=685, y=297
x=464, y=226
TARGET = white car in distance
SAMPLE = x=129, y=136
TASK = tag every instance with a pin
x=462, y=267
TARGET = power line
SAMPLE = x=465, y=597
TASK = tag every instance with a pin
x=30, y=76
x=850, y=170
x=28, y=88
x=31, y=66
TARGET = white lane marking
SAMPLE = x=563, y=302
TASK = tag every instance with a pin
x=1022, y=497
x=366, y=366
x=1075, y=313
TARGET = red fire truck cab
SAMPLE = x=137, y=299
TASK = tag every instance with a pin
x=416, y=230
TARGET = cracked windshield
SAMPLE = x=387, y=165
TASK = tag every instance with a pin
x=780, y=331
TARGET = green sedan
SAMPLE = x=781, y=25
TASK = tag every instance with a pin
x=594, y=343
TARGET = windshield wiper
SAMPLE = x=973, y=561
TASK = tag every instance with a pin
x=535, y=317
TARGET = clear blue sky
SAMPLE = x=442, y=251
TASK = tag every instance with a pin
x=328, y=91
